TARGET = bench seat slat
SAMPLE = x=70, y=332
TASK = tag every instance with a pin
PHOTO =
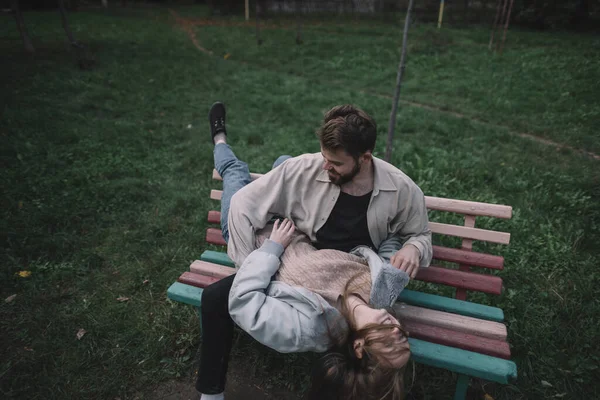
x=465, y=341
x=454, y=322
x=463, y=361
x=459, y=323
x=470, y=233
x=210, y=269
x=186, y=294
x=442, y=204
x=461, y=279
x=436, y=355
x=412, y=297
x=465, y=257
x=450, y=277
x=436, y=227
x=193, y=279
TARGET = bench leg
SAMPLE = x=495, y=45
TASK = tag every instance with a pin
x=461, y=387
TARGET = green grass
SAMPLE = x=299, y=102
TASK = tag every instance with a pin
x=105, y=185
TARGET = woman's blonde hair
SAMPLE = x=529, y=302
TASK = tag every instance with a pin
x=341, y=375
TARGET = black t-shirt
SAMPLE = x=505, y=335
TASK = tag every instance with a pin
x=346, y=226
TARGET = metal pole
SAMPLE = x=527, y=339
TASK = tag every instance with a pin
x=401, y=66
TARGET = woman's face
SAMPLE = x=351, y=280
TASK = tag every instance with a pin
x=390, y=346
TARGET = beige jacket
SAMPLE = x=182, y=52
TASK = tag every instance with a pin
x=301, y=190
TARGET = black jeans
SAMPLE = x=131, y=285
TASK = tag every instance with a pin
x=217, y=337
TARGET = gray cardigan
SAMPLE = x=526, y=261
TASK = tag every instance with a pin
x=291, y=318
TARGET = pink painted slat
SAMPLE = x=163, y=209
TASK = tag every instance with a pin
x=447, y=337
x=197, y=280
x=214, y=217
x=461, y=279
x=216, y=194
x=454, y=322
x=210, y=269
x=441, y=204
x=468, y=257
x=214, y=236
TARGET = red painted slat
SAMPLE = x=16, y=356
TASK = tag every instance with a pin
x=197, y=280
x=460, y=279
x=447, y=337
x=214, y=236
x=468, y=257
x=214, y=217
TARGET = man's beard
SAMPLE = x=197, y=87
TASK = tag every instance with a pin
x=339, y=180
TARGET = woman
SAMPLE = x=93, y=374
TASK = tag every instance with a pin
x=292, y=297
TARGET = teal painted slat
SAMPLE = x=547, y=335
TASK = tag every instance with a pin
x=462, y=361
x=185, y=294
x=462, y=384
x=447, y=304
x=217, y=258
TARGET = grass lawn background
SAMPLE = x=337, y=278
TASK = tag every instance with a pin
x=106, y=175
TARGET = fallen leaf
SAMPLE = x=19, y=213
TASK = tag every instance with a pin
x=122, y=298
x=487, y=397
x=560, y=395
x=189, y=126
x=10, y=298
x=546, y=384
x=24, y=274
x=27, y=349
x=226, y=56
x=145, y=281
x=20, y=205
x=80, y=333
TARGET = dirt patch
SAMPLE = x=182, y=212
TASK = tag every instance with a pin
x=239, y=387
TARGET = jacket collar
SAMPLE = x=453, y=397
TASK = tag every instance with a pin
x=382, y=180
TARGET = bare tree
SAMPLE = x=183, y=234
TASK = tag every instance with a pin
x=84, y=58
x=14, y=4
x=401, y=67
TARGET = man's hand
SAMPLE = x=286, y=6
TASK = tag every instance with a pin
x=407, y=260
x=283, y=233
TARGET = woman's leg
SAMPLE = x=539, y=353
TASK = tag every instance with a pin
x=235, y=174
x=217, y=337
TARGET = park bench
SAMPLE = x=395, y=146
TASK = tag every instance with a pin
x=467, y=338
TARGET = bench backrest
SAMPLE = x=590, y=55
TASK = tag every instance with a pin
x=466, y=277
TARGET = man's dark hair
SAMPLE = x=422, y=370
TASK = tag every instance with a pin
x=348, y=128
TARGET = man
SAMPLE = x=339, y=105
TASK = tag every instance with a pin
x=341, y=198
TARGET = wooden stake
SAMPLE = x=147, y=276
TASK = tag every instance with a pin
x=401, y=66
x=495, y=23
x=247, y=9
x=506, y=25
x=441, y=15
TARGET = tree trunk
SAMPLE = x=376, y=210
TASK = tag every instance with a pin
x=21, y=26
x=65, y=22
x=401, y=67
x=84, y=59
x=105, y=3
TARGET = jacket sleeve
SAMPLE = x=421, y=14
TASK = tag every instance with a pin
x=252, y=207
x=410, y=226
x=269, y=320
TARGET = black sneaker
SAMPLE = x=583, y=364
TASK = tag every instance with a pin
x=216, y=118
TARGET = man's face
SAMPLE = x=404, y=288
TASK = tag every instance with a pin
x=340, y=166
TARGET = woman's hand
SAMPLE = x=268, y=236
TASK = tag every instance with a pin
x=283, y=233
